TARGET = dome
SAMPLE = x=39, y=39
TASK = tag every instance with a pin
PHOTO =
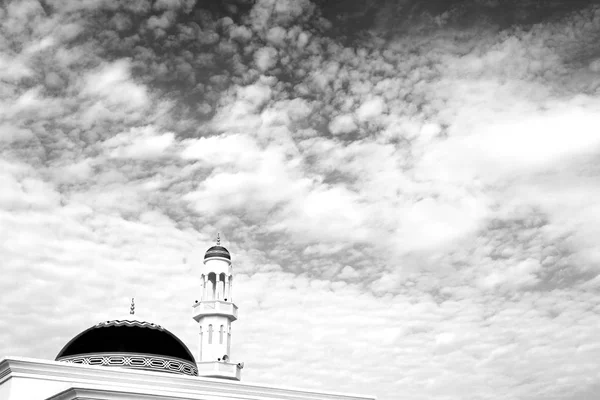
x=217, y=251
x=130, y=344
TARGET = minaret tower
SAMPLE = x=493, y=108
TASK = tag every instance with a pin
x=214, y=313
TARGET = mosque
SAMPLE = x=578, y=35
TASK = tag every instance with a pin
x=130, y=359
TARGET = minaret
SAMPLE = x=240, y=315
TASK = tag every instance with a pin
x=214, y=313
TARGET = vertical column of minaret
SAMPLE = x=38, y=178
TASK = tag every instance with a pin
x=216, y=311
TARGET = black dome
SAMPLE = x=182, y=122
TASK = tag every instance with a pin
x=120, y=338
x=217, y=251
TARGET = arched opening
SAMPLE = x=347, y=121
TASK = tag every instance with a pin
x=212, y=286
x=221, y=287
x=210, y=333
x=221, y=335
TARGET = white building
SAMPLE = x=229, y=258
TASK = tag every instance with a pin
x=129, y=359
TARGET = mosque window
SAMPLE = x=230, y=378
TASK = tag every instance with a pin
x=221, y=335
x=210, y=332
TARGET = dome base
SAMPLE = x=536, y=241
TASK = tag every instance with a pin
x=146, y=362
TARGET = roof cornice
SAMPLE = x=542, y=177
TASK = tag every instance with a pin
x=170, y=386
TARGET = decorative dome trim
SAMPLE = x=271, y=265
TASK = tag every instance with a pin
x=217, y=252
x=148, y=362
x=126, y=322
x=129, y=338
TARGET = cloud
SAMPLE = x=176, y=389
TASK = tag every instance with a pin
x=10, y=133
x=250, y=180
x=219, y=150
x=370, y=109
x=139, y=144
x=521, y=274
x=348, y=273
x=23, y=189
x=342, y=124
x=111, y=82
x=281, y=13
x=518, y=143
x=265, y=58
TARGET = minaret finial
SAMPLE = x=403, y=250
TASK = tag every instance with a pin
x=218, y=239
x=132, y=308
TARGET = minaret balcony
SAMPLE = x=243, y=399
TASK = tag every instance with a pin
x=215, y=307
x=219, y=369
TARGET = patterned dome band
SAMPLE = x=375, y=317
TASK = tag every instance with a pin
x=136, y=361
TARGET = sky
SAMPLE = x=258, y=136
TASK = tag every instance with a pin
x=408, y=188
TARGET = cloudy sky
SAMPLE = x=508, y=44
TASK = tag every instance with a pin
x=409, y=189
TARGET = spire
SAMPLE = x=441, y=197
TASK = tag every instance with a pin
x=132, y=307
x=218, y=239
